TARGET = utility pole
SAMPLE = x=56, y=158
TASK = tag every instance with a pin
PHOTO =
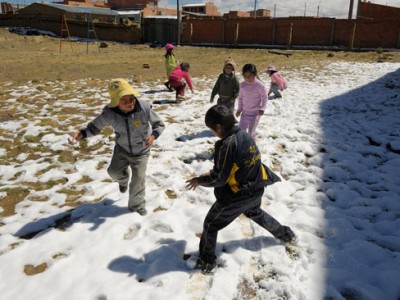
x=318, y=9
x=274, y=11
x=255, y=9
x=178, y=15
x=351, y=9
x=305, y=8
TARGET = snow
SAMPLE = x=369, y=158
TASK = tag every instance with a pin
x=334, y=139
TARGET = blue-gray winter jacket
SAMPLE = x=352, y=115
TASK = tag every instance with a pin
x=131, y=129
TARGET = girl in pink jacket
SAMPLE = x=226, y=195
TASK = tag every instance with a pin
x=252, y=100
x=278, y=83
x=176, y=81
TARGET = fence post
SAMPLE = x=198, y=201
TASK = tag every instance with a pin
x=191, y=33
x=237, y=34
x=353, y=34
x=289, y=41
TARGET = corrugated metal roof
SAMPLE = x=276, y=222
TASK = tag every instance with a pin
x=194, y=5
x=82, y=9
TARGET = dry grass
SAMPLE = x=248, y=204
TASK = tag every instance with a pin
x=38, y=58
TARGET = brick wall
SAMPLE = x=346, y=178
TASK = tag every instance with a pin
x=323, y=32
x=375, y=11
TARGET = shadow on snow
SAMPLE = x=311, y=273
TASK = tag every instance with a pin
x=95, y=213
x=360, y=191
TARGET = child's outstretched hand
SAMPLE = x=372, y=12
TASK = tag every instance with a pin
x=149, y=140
x=192, y=184
x=75, y=137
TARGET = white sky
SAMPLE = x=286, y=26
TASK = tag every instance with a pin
x=328, y=8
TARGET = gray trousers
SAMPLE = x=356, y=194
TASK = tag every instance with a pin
x=275, y=90
x=118, y=171
x=229, y=103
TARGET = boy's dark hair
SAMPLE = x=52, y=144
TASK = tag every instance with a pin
x=249, y=68
x=185, y=66
x=220, y=114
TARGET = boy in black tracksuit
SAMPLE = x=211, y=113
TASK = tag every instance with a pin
x=239, y=179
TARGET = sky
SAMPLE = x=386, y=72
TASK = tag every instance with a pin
x=327, y=8
x=334, y=142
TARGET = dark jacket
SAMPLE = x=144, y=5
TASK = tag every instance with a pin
x=227, y=87
x=238, y=169
x=131, y=129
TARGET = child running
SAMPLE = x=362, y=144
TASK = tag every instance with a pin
x=239, y=179
x=278, y=83
x=177, y=83
x=252, y=100
x=131, y=119
x=227, y=86
x=170, y=62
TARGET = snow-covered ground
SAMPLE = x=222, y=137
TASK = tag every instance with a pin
x=334, y=139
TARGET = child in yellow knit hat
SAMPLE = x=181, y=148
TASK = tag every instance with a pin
x=136, y=127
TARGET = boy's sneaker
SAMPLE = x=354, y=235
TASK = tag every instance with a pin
x=206, y=267
x=123, y=188
x=142, y=211
x=285, y=234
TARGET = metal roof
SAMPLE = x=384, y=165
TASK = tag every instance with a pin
x=82, y=9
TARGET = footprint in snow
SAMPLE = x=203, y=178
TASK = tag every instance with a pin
x=161, y=227
x=132, y=232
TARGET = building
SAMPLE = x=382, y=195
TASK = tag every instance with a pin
x=77, y=13
x=201, y=9
x=370, y=11
x=261, y=13
x=92, y=3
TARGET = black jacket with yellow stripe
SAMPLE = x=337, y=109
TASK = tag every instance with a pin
x=238, y=169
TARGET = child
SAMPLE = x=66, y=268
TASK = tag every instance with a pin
x=252, y=100
x=131, y=119
x=278, y=83
x=170, y=62
x=176, y=80
x=227, y=86
x=239, y=179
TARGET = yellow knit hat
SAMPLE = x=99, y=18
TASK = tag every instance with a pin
x=118, y=88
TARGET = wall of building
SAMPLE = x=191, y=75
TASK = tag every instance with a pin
x=106, y=32
x=375, y=11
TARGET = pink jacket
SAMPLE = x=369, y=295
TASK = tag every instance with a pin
x=177, y=74
x=252, y=96
x=278, y=79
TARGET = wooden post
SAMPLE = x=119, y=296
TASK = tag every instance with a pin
x=289, y=42
x=191, y=33
x=237, y=34
x=353, y=34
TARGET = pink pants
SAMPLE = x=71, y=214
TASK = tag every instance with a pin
x=249, y=123
x=178, y=86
